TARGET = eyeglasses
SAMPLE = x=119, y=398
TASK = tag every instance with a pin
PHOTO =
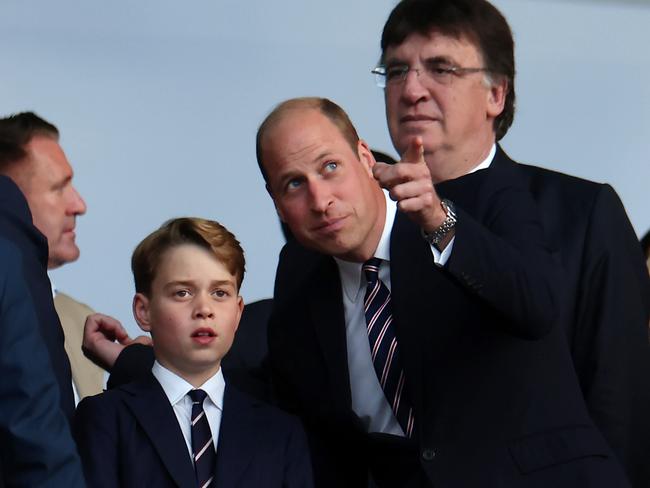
x=435, y=71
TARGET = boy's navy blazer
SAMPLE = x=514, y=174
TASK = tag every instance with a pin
x=130, y=437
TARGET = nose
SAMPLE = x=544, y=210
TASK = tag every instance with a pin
x=77, y=205
x=320, y=195
x=202, y=307
x=413, y=90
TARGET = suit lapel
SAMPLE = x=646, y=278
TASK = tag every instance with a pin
x=237, y=438
x=151, y=408
x=328, y=317
x=410, y=264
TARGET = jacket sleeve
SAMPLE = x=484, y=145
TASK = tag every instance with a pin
x=95, y=431
x=610, y=342
x=501, y=257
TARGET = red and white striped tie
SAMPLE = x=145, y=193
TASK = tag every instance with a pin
x=383, y=345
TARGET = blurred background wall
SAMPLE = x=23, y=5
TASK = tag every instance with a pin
x=158, y=102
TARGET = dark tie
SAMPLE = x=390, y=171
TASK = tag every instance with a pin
x=202, y=446
x=383, y=345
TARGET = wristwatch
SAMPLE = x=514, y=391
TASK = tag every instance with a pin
x=434, y=237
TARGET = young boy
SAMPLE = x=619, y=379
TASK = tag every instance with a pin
x=183, y=426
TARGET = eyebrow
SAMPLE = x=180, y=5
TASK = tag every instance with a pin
x=191, y=283
x=432, y=60
x=60, y=184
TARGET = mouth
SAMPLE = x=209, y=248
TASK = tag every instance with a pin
x=329, y=226
x=203, y=335
x=414, y=119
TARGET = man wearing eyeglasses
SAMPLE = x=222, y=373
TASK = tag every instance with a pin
x=448, y=70
x=488, y=371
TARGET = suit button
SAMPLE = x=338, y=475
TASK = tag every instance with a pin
x=428, y=454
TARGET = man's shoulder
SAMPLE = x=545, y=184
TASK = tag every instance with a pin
x=551, y=187
x=297, y=268
x=65, y=303
x=543, y=175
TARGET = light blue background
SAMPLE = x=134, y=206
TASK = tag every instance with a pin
x=158, y=103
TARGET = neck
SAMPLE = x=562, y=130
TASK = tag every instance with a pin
x=451, y=163
x=195, y=378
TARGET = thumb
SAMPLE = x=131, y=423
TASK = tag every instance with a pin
x=414, y=152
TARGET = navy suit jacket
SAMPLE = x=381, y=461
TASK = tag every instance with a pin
x=129, y=437
x=496, y=399
x=36, y=448
x=18, y=228
x=606, y=320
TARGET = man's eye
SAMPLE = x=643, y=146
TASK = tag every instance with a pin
x=396, y=72
x=181, y=293
x=439, y=69
x=220, y=293
x=293, y=184
x=331, y=166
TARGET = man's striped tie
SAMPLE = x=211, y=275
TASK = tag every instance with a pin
x=203, y=452
x=383, y=345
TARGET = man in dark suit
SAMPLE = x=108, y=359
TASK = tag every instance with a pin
x=147, y=432
x=488, y=382
x=36, y=448
x=584, y=223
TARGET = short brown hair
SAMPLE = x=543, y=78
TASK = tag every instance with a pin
x=16, y=131
x=478, y=21
x=207, y=234
x=329, y=109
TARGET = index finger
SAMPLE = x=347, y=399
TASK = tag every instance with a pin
x=414, y=152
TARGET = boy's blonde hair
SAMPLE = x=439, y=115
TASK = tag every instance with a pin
x=207, y=234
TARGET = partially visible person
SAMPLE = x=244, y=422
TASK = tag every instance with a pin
x=645, y=246
x=154, y=432
x=36, y=448
x=30, y=154
x=443, y=63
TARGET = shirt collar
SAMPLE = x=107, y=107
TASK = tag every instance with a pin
x=176, y=387
x=487, y=161
x=54, y=290
x=352, y=279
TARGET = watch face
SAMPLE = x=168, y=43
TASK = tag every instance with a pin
x=449, y=207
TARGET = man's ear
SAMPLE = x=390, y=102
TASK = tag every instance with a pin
x=365, y=156
x=497, y=93
x=141, y=311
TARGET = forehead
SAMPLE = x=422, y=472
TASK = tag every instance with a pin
x=434, y=44
x=300, y=136
x=47, y=157
x=189, y=262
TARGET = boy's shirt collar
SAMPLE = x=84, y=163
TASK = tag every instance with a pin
x=176, y=388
